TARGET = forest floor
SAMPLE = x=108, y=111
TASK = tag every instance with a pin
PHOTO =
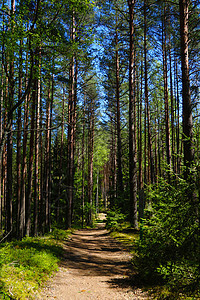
x=94, y=266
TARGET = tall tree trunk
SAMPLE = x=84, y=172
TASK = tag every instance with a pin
x=19, y=127
x=37, y=140
x=61, y=158
x=83, y=164
x=4, y=152
x=140, y=180
x=132, y=146
x=9, y=184
x=41, y=184
x=24, y=161
x=47, y=157
x=167, y=128
x=90, y=160
x=150, y=150
x=187, y=106
x=1, y=167
x=178, y=122
x=31, y=155
x=71, y=131
x=113, y=158
x=50, y=156
x=172, y=107
x=156, y=149
x=119, y=146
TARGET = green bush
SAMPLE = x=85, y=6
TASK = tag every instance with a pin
x=115, y=219
x=59, y=234
x=169, y=249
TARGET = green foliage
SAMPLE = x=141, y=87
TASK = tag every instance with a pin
x=89, y=210
x=26, y=264
x=115, y=220
x=59, y=234
x=169, y=249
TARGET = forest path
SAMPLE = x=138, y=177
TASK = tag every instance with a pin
x=95, y=266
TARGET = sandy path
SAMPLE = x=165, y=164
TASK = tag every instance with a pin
x=94, y=267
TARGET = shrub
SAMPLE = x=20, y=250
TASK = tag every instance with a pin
x=115, y=220
x=169, y=249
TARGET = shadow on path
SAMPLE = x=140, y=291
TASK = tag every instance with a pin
x=94, y=266
x=94, y=253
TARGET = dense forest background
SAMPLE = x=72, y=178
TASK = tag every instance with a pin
x=99, y=109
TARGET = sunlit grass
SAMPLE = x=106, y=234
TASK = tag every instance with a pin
x=127, y=236
x=25, y=265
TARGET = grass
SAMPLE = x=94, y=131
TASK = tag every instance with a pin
x=25, y=265
x=127, y=236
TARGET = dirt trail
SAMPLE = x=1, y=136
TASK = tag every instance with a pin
x=94, y=267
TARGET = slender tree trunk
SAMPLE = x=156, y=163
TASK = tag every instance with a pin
x=37, y=140
x=156, y=150
x=61, y=158
x=9, y=183
x=83, y=164
x=19, y=127
x=167, y=128
x=71, y=133
x=1, y=167
x=140, y=181
x=47, y=158
x=132, y=146
x=97, y=193
x=150, y=150
x=50, y=156
x=186, y=95
x=113, y=160
x=41, y=184
x=172, y=107
x=178, y=123
x=90, y=160
x=119, y=146
x=4, y=152
x=31, y=155
x=159, y=146
x=22, y=221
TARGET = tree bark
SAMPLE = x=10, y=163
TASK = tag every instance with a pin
x=61, y=158
x=19, y=127
x=37, y=140
x=9, y=183
x=24, y=162
x=30, y=169
x=83, y=164
x=90, y=160
x=71, y=133
x=167, y=128
x=120, y=187
x=186, y=95
x=132, y=146
x=47, y=159
x=150, y=150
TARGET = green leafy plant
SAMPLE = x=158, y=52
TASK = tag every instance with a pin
x=169, y=249
x=115, y=220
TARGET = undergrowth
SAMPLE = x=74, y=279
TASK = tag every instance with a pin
x=26, y=264
x=115, y=220
x=166, y=256
x=169, y=252
x=121, y=230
